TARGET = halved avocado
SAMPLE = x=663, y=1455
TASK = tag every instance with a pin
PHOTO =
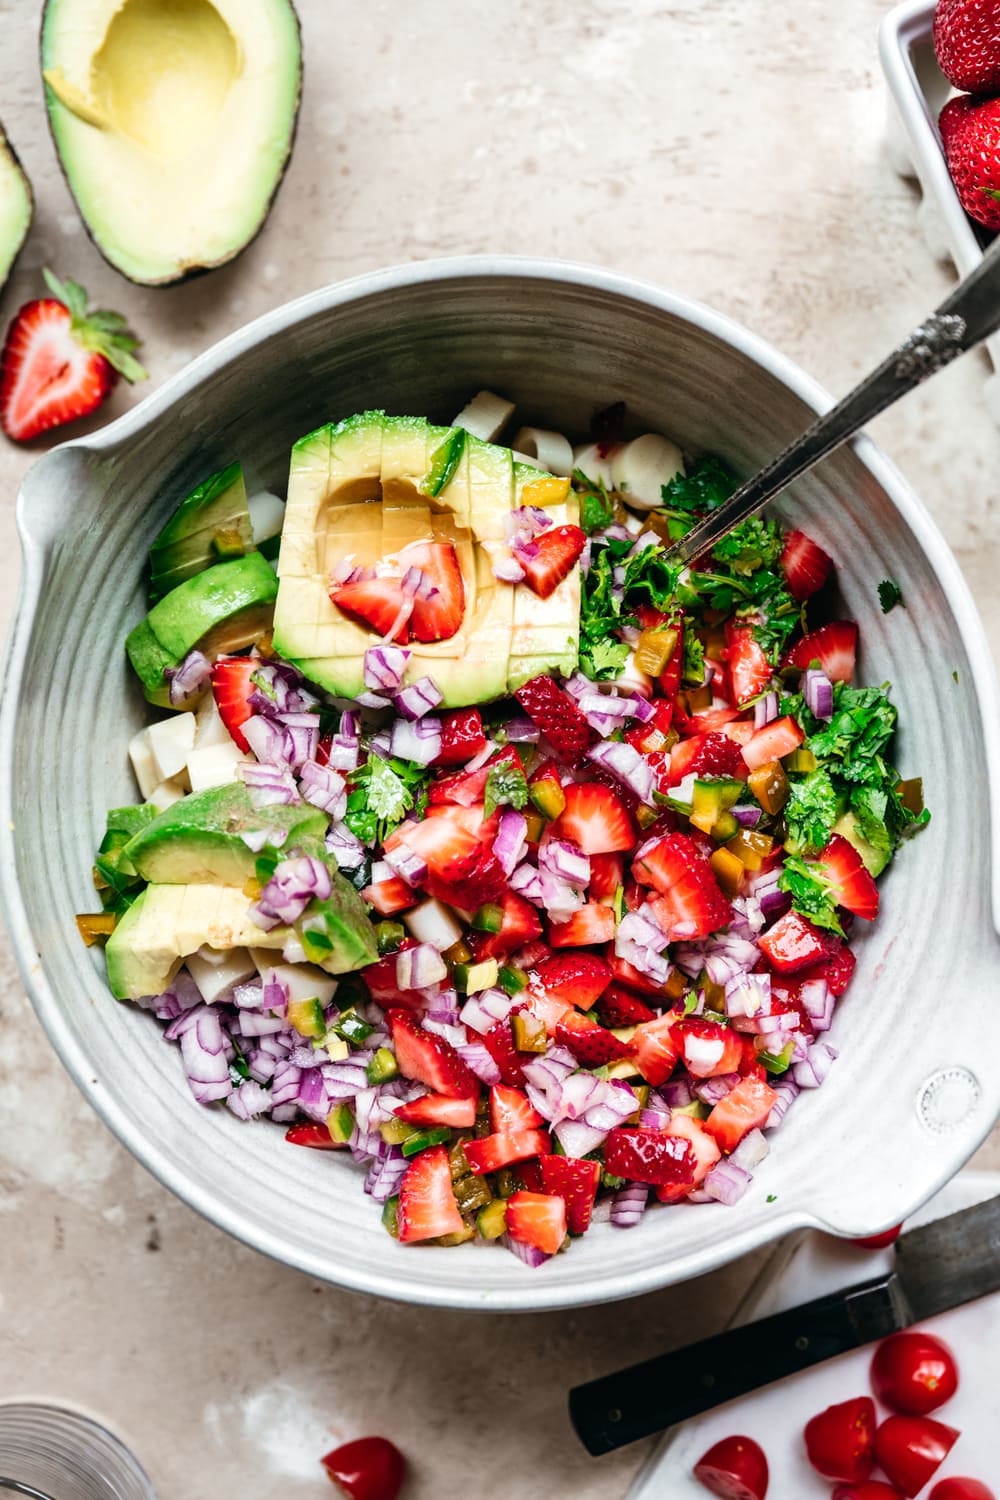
x=212, y=525
x=199, y=841
x=15, y=207
x=173, y=121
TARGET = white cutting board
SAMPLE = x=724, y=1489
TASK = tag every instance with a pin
x=814, y=1265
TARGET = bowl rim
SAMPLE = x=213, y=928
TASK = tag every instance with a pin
x=537, y=1295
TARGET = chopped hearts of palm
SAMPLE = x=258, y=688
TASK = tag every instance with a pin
x=537, y=941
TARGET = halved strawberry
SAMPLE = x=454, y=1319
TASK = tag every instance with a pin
x=849, y=880
x=774, y=740
x=595, y=818
x=429, y=1058
x=557, y=716
x=231, y=689
x=61, y=361
x=750, y=672
x=834, y=646
x=656, y=1048
x=575, y=1181
x=805, y=565
x=379, y=602
x=707, y=1048
x=793, y=943
x=537, y=1219
x=314, y=1135
x=649, y=1156
x=391, y=895
x=491, y=1152
x=744, y=1108
x=462, y=737
x=439, y=1109
x=576, y=977
x=499, y=1043
x=427, y=1207
x=589, y=1043
x=558, y=551
x=607, y=873
x=590, y=923
x=712, y=754
x=519, y=925
x=511, y=1111
x=439, y=617
x=690, y=904
x=837, y=970
x=619, y=1007
x=465, y=788
x=706, y=1154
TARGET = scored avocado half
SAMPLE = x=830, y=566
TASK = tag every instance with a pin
x=173, y=121
x=15, y=207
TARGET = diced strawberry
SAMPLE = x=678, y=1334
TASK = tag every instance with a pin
x=656, y=1049
x=590, y=923
x=776, y=739
x=625, y=973
x=706, y=755
x=511, y=1111
x=485, y=882
x=391, y=895
x=837, y=970
x=652, y=735
x=466, y=788
x=741, y=732
x=750, y=671
x=231, y=689
x=558, y=551
x=558, y=718
x=619, y=1007
x=834, y=646
x=595, y=818
x=531, y=955
x=805, y=565
x=607, y=873
x=438, y=617
x=491, y=1152
x=793, y=943
x=519, y=924
x=744, y=1108
x=427, y=1207
x=626, y=796
x=706, y=1154
x=439, y=1109
x=379, y=602
x=590, y=1044
x=575, y=1181
x=461, y=869
x=499, y=1043
x=537, y=1219
x=712, y=721
x=849, y=879
x=462, y=737
x=545, y=1008
x=380, y=977
x=314, y=1135
x=649, y=1156
x=690, y=904
x=579, y=978
x=708, y=1048
x=429, y=1058
x=528, y=1175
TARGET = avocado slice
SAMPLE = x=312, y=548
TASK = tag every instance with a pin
x=874, y=860
x=222, y=610
x=16, y=205
x=199, y=840
x=212, y=525
x=173, y=123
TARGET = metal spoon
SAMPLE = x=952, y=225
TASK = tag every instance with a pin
x=964, y=319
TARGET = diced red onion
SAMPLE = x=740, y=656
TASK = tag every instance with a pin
x=559, y=898
x=751, y=1150
x=307, y=1056
x=615, y=1103
x=625, y=762
x=817, y=690
x=577, y=685
x=726, y=1182
x=418, y=741
x=711, y=1090
x=629, y=1204
x=527, y=882
x=482, y=1012
x=520, y=730
x=605, y=706
x=747, y=817
x=346, y=848
x=654, y=1119
x=257, y=1023
x=285, y=1088
x=249, y=1100
x=375, y=701
x=642, y=709
x=508, y=570
x=419, y=698
x=419, y=966
x=511, y=839
x=811, y=1071
x=481, y=756
x=817, y=1000
x=418, y=584
x=406, y=864
x=344, y=571
x=383, y=668
x=563, y=858
x=787, y=1091
x=249, y=996
x=189, y=680
x=384, y=1179
x=577, y=1138
x=324, y=788
x=765, y=710
x=675, y=1093
x=279, y=690
x=269, y=740
x=182, y=996
x=585, y=556
x=525, y=552
x=479, y=1061
x=303, y=729
x=293, y=885
x=527, y=1253
x=748, y=995
x=204, y=1057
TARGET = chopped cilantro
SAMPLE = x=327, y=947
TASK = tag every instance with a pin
x=954, y=675
x=382, y=793
x=606, y=606
x=889, y=595
x=505, y=786
x=694, y=658
x=747, y=582
x=806, y=883
x=810, y=812
x=596, y=510
x=771, y=1198
x=703, y=488
x=863, y=723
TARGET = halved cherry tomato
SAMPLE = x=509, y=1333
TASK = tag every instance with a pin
x=880, y=1241
x=735, y=1469
x=370, y=1468
x=869, y=1489
x=914, y=1373
x=961, y=1489
x=840, y=1441
x=910, y=1449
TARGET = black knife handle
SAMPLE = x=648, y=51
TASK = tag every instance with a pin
x=618, y=1409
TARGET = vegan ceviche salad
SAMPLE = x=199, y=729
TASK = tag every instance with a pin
x=483, y=845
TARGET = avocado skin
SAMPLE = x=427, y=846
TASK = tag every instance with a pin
x=186, y=545
x=10, y=248
x=198, y=840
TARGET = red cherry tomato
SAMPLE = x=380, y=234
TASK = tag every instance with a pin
x=961, y=1489
x=914, y=1373
x=370, y=1468
x=869, y=1489
x=879, y=1241
x=910, y=1449
x=840, y=1441
x=734, y=1469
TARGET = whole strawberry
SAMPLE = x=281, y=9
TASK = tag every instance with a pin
x=970, y=133
x=60, y=361
x=967, y=43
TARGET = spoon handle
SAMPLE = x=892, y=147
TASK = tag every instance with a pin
x=969, y=315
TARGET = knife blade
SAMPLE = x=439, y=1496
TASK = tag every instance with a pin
x=937, y=1266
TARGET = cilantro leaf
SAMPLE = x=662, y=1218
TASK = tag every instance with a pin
x=506, y=785
x=694, y=658
x=704, y=487
x=889, y=595
x=806, y=883
x=614, y=587
x=747, y=583
x=863, y=723
x=604, y=659
x=810, y=812
x=754, y=543
x=596, y=509
x=381, y=793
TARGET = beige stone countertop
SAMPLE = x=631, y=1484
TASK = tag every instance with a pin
x=730, y=151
